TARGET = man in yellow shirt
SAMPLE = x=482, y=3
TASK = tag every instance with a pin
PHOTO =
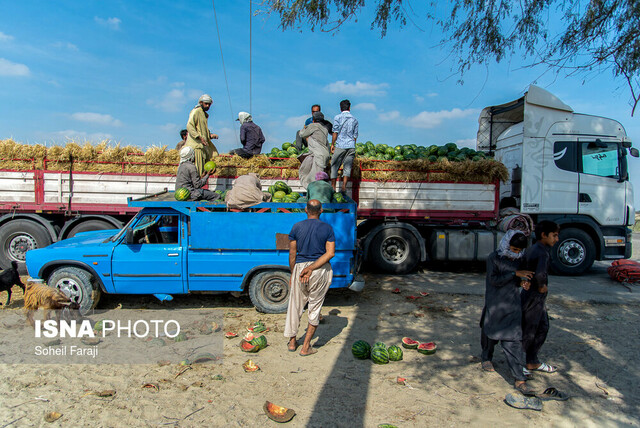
x=199, y=137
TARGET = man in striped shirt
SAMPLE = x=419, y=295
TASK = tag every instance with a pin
x=343, y=144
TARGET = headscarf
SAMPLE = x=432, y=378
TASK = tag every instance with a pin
x=187, y=154
x=205, y=98
x=321, y=175
x=503, y=248
x=243, y=117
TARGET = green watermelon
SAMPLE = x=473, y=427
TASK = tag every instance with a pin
x=210, y=166
x=391, y=152
x=387, y=156
x=409, y=343
x=274, y=151
x=281, y=185
x=413, y=146
x=398, y=158
x=380, y=344
x=476, y=158
x=427, y=348
x=360, y=150
x=182, y=194
x=272, y=189
x=432, y=158
x=294, y=195
x=398, y=149
x=451, y=147
x=260, y=342
x=283, y=154
x=293, y=155
x=442, y=151
x=248, y=346
x=285, y=146
x=380, y=148
x=292, y=151
x=395, y=353
x=379, y=355
x=433, y=149
x=361, y=350
x=369, y=146
x=279, y=195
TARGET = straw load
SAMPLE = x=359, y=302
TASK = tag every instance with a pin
x=107, y=158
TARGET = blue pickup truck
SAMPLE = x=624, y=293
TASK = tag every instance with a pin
x=173, y=247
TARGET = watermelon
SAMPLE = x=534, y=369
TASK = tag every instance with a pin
x=260, y=342
x=248, y=347
x=279, y=195
x=395, y=353
x=398, y=149
x=283, y=154
x=277, y=200
x=433, y=149
x=230, y=335
x=380, y=344
x=442, y=151
x=182, y=194
x=476, y=158
x=360, y=151
x=293, y=155
x=379, y=355
x=380, y=148
x=398, y=158
x=210, y=166
x=361, y=350
x=427, y=348
x=451, y=147
x=391, y=152
x=286, y=146
x=409, y=343
x=387, y=156
x=274, y=151
x=413, y=146
x=272, y=189
x=294, y=195
x=281, y=185
x=432, y=158
x=292, y=151
x=369, y=146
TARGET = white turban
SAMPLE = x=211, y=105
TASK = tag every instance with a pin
x=187, y=154
x=205, y=98
x=243, y=117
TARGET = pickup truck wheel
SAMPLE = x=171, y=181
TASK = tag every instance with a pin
x=90, y=225
x=78, y=285
x=574, y=253
x=269, y=291
x=394, y=250
x=19, y=236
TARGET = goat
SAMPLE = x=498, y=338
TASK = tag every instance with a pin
x=47, y=298
x=9, y=278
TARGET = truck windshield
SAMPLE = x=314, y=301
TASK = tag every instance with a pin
x=122, y=231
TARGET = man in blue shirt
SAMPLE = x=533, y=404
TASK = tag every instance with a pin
x=343, y=145
x=311, y=246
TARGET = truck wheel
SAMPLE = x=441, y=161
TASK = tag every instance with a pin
x=78, y=285
x=574, y=254
x=394, y=250
x=89, y=225
x=19, y=236
x=269, y=291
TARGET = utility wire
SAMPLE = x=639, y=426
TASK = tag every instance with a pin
x=250, y=39
x=224, y=69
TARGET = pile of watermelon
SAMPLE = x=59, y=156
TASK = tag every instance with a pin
x=222, y=193
x=253, y=344
x=379, y=354
x=424, y=348
x=407, y=152
x=281, y=192
x=287, y=151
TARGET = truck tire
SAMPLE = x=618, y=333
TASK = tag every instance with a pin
x=269, y=291
x=89, y=225
x=78, y=285
x=394, y=250
x=19, y=236
x=574, y=253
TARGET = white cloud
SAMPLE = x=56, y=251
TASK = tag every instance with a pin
x=467, y=142
x=432, y=94
x=67, y=45
x=112, y=23
x=421, y=98
x=365, y=106
x=389, y=116
x=296, y=122
x=8, y=68
x=418, y=98
x=431, y=119
x=5, y=37
x=71, y=134
x=101, y=119
x=358, y=88
x=170, y=127
x=176, y=100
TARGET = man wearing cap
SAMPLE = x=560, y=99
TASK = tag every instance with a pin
x=199, y=137
x=316, y=135
x=251, y=137
x=343, y=144
x=187, y=177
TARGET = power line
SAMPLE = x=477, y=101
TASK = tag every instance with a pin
x=224, y=69
x=250, y=39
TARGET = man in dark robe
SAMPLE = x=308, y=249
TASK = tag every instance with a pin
x=502, y=313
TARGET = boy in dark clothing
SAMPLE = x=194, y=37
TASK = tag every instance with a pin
x=502, y=315
x=535, y=320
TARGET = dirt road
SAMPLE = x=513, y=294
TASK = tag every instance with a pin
x=593, y=340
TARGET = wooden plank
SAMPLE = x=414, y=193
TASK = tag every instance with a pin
x=426, y=195
x=427, y=205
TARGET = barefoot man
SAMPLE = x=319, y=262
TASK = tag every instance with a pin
x=311, y=246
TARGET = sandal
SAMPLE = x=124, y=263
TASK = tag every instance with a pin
x=553, y=394
x=527, y=372
x=519, y=401
x=546, y=368
x=525, y=389
x=487, y=366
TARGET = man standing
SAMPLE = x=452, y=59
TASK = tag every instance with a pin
x=311, y=246
x=251, y=137
x=199, y=138
x=343, y=144
x=317, y=140
x=183, y=135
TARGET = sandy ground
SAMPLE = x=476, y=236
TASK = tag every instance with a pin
x=595, y=346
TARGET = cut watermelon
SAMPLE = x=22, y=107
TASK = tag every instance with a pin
x=230, y=334
x=427, y=348
x=248, y=347
x=409, y=343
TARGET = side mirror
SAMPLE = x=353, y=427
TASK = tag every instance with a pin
x=634, y=152
x=128, y=237
x=626, y=144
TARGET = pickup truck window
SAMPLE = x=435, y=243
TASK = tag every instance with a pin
x=157, y=229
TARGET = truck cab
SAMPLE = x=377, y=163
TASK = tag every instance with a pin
x=173, y=247
x=566, y=167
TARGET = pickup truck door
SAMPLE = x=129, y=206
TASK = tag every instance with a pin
x=602, y=193
x=154, y=262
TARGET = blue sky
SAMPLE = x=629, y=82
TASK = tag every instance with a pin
x=131, y=71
